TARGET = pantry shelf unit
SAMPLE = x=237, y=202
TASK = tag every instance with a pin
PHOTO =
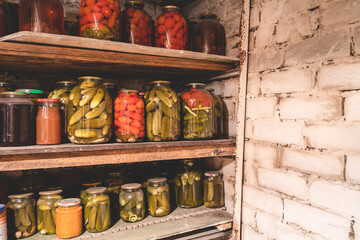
x=42, y=52
x=71, y=155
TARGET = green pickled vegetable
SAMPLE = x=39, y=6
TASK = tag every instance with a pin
x=97, y=213
x=158, y=200
x=132, y=206
x=214, y=192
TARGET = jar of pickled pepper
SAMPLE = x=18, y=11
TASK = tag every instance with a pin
x=198, y=112
x=45, y=16
x=162, y=112
x=218, y=115
x=100, y=19
x=89, y=112
x=46, y=211
x=171, y=29
x=213, y=190
x=129, y=117
x=137, y=25
x=132, y=202
x=68, y=218
x=209, y=35
x=158, y=196
x=188, y=185
x=21, y=216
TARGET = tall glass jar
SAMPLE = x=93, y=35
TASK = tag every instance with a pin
x=97, y=210
x=21, y=216
x=85, y=186
x=162, y=112
x=158, y=195
x=171, y=29
x=209, y=35
x=45, y=16
x=218, y=115
x=89, y=112
x=213, y=190
x=48, y=122
x=137, y=25
x=198, y=112
x=132, y=203
x=46, y=211
x=129, y=117
x=100, y=19
x=188, y=185
x=114, y=181
x=69, y=218
x=17, y=120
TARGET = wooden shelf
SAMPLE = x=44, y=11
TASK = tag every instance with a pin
x=71, y=155
x=42, y=52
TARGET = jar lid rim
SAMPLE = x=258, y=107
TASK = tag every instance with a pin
x=131, y=186
x=29, y=90
x=128, y=90
x=196, y=84
x=96, y=190
x=69, y=202
x=109, y=83
x=13, y=93
x=66, y=82
x=21, y=195
x=157, y=180
x=134, y=2
x=48, y=100
x=171, y=6
x=91, y=183
x=89, y=78
x=50, y=192
x=160, y=81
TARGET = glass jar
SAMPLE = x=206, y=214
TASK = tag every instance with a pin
x=129, y=117
x=188, y=185
x=218, y=115
x=137, y=25
x=213, y=190
x=100, y=19
x=97, y=213
x=171, y=29
x=209, y=35
x=132, y=203
x=112, y=89
x=3, y=227
x=5, y=86
x=89, y=112
x=68, y=218
x=198, y=112
x=114, y=181
x=46, y=211
x=32, y=181
x=48, y=122
x=85, y=186
x=158, y=197
x=45, y=16
x=162, y=112
x=21, y=216
x=33, y=94
x=17, y=119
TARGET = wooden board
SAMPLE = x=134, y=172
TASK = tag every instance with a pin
x=67, y=155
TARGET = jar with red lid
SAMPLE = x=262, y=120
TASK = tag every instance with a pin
x=137, y=25
x=171, y=29
x=129, y=117
x=45, y=16
x=100, y=19
x=48, y=122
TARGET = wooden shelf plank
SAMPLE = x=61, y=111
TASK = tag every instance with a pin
x=68, y=155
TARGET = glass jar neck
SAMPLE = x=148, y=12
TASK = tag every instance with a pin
x=48, y=104
x=94, y=80
x=65, y=85
x=13, y=95
x=46, y=197
x=155, y=84
x=96, y=194
x=19, y=200
x=197, y=85
x=131, y=190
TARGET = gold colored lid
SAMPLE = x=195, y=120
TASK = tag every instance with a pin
x=89, y=78
x=67, y=82
x=128, y=90
x=171, y=7
x=160, y=81
x=196, y=84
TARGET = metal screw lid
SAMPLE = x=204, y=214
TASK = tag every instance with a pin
x=52, y=192
x=96, y=190
x=131, y=186
x=19, y=196
x=69, y=202
x=157, y=180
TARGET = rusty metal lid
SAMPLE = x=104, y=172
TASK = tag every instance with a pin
x=96, y=190
x=52, y=192
x=131, y=186
x=157, y=180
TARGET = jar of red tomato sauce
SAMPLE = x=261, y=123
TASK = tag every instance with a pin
x=48, y=122
x=100, y=19
x=137, y=25
x=171, y=30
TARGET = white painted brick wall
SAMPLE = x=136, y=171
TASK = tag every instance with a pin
x=340, y=77
x=352, y=107
x=250, y=234
x=253, y=84
x=331, y=18
x=248, y=215
x=262, y=154
x=261, y=107
x=353, y=169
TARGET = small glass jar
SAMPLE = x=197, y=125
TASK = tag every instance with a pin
x=68, y=218
x=218, y=115
x=162, y=112
x=158, y=195
x=48, y=122
x=132, y=203
x=213, y=190
x=97, y=213
x=112, y=89
x=45, y=16
x=114, y=181
x=89, y=112
x=85, y=186
x=188, y=185
x=100, y=19
x=33, y=94
x=21, y=216
x=137, y=25
x=171, y=29
x=198, y=112
x=5, y=86
x=129, y=117
x=46, y=211
x=3, y=227
x=17, y=120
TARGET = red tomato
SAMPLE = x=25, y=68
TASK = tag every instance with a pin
x=186, y=96
x=132, y=100
x=140, y=104
x=117, y=115
x=132, y=108
x=170, y=23
x=136, y=123
x=141, y=134
x=106, y=11
x=192, y=102
x=134, y=130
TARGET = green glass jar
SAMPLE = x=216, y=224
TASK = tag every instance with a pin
x=213, y=190
x=188, y=185
x=132, y=203
x=158, y=196
x=33, y=94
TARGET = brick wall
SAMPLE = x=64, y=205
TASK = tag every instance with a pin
x=302, y=151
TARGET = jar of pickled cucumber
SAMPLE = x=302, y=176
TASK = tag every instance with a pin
x=132, y=202
x=198, y=112
x=89, y=112
x=213, y=190
x=188, y=185
x=114, y=182
x=21, y=216
x=158, y=195
x=46, y=211
x=162, y=112
x=218, y=115
x=97, y=210
x=85, y=186
x=129, y=117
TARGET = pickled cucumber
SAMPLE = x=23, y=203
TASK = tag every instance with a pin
x=97, y=214
x=132, y=206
